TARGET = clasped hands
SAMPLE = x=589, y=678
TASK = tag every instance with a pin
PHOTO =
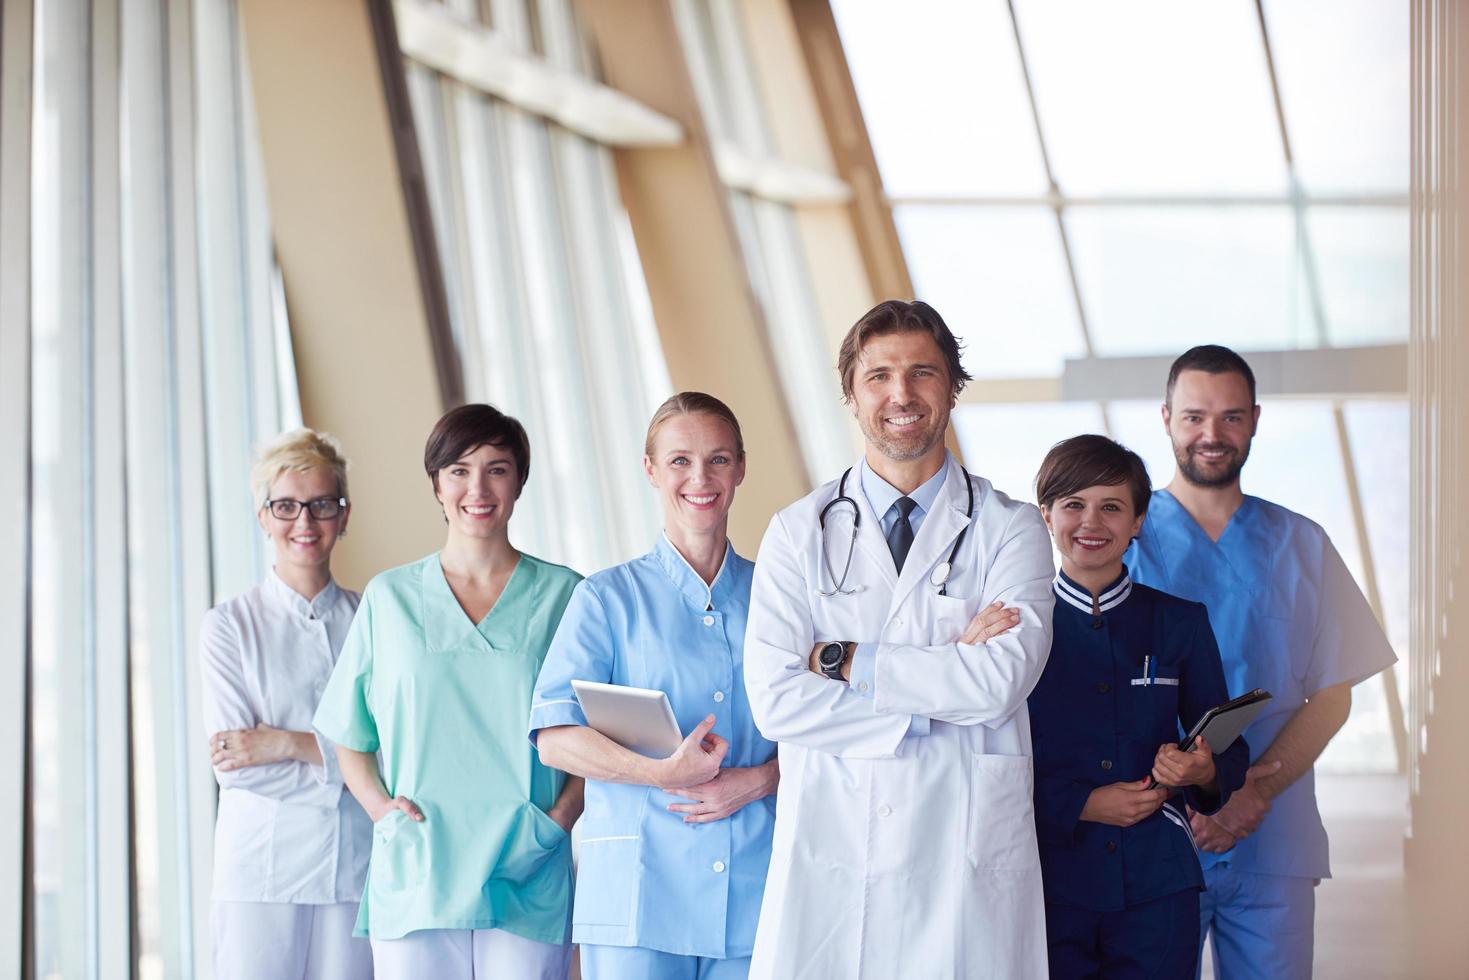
x=694, y=772
x=1238, y=818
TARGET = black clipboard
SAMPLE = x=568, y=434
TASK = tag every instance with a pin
x=1224, y=723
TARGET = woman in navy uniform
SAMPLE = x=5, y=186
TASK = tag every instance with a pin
x=1128, y=665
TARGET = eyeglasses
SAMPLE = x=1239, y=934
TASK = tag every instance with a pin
x=320, y=509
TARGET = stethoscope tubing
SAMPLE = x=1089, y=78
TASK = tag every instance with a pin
x=839, y=584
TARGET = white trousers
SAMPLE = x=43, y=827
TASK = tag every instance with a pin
x=469, y=954
x=278, y=941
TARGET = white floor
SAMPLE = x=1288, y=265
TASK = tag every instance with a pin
x=1361, y=919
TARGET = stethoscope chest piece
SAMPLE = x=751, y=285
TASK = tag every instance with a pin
x=940, y=574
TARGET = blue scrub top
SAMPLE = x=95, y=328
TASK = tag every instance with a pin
x=644, y=877
x=1097, y=716
x=1289, y=618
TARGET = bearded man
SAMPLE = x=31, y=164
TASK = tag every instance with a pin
x=1290, y=619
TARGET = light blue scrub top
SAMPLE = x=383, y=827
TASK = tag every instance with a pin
x=1289, y=618
x=444, y=702
x=644, y=877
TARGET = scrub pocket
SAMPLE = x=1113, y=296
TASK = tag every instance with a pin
x=606, y=875
x=399, y=852
x=534, y=841
x=1001, y=832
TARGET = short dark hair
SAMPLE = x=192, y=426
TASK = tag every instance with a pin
x=1212, y=359
x=898, y=316
x=1074, y=464
x=464, y=429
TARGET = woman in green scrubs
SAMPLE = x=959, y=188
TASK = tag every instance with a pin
x=470, y=874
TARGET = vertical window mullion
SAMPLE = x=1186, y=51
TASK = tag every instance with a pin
x=109, y=807
x=15, y=395
x=64, y=882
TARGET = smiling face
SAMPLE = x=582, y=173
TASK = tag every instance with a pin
x=695, y=466
x=478, y=491
x=1211, y=420
x=1092, y=529
x=902, y=394
x=304, y=542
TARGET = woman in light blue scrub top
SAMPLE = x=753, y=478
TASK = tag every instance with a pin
x=673, y=851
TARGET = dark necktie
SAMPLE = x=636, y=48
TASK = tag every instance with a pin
x=900, y=538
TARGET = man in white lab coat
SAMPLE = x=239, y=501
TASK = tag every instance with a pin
x=876, y=656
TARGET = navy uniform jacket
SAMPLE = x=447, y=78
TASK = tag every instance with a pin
x=1096, y=718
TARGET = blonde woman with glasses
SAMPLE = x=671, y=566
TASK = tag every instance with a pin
x=290, y=846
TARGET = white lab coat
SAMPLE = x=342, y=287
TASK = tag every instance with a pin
x=285, y=832
x=905, y=835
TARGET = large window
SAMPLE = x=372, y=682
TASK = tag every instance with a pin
x=1073, y=180
x=550, y=315
x=156, y=360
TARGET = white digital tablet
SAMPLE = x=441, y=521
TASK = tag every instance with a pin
x=634, y=717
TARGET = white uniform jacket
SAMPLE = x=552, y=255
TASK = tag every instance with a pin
x=905, y=836
x=287, y=831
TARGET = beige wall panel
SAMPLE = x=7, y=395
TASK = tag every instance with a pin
x=363, y=354
x=839, y=282
x=780, y=70
x=712, y=332
x=851, y=151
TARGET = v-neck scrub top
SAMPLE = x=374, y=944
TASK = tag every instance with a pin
x=446, y=702
x=1289, y=618
x=645, y=877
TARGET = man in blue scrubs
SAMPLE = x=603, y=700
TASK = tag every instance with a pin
x=1289, y=618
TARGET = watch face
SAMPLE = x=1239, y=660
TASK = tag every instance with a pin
x=832, y=654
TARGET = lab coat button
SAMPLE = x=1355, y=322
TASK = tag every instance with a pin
x=1103, y=687
x=884, y=811
x=718, y=696
x=862, y=686
x=719, y=867
x=1106, y=764
x=1111, y=847
x=708, y=620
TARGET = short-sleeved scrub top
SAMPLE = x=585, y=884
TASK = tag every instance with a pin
x=645, y=877
x=1289, y=618
x=445, y=702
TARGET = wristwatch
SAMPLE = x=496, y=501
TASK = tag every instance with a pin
x=831, y=658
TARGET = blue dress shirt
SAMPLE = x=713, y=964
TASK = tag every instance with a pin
x=645, y=878
x=883, y=496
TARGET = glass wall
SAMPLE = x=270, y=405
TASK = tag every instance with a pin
x=1073, y=180
x=155, y=366
x=716, y=46
x=549, y=310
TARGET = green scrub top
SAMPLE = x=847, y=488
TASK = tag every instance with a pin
x=446, y=703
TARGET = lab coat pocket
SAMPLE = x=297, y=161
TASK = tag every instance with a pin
x=1001, y=832
x=606, y=874
x=399, y=852
x=244, y=845
x=950, y=616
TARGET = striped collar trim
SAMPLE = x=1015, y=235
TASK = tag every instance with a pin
x=1074, y=595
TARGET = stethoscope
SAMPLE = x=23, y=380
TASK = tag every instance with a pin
x=939, y=577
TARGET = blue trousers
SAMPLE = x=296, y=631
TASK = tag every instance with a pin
x=1263, y=925
x=1155, y=940
x=637, y=963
